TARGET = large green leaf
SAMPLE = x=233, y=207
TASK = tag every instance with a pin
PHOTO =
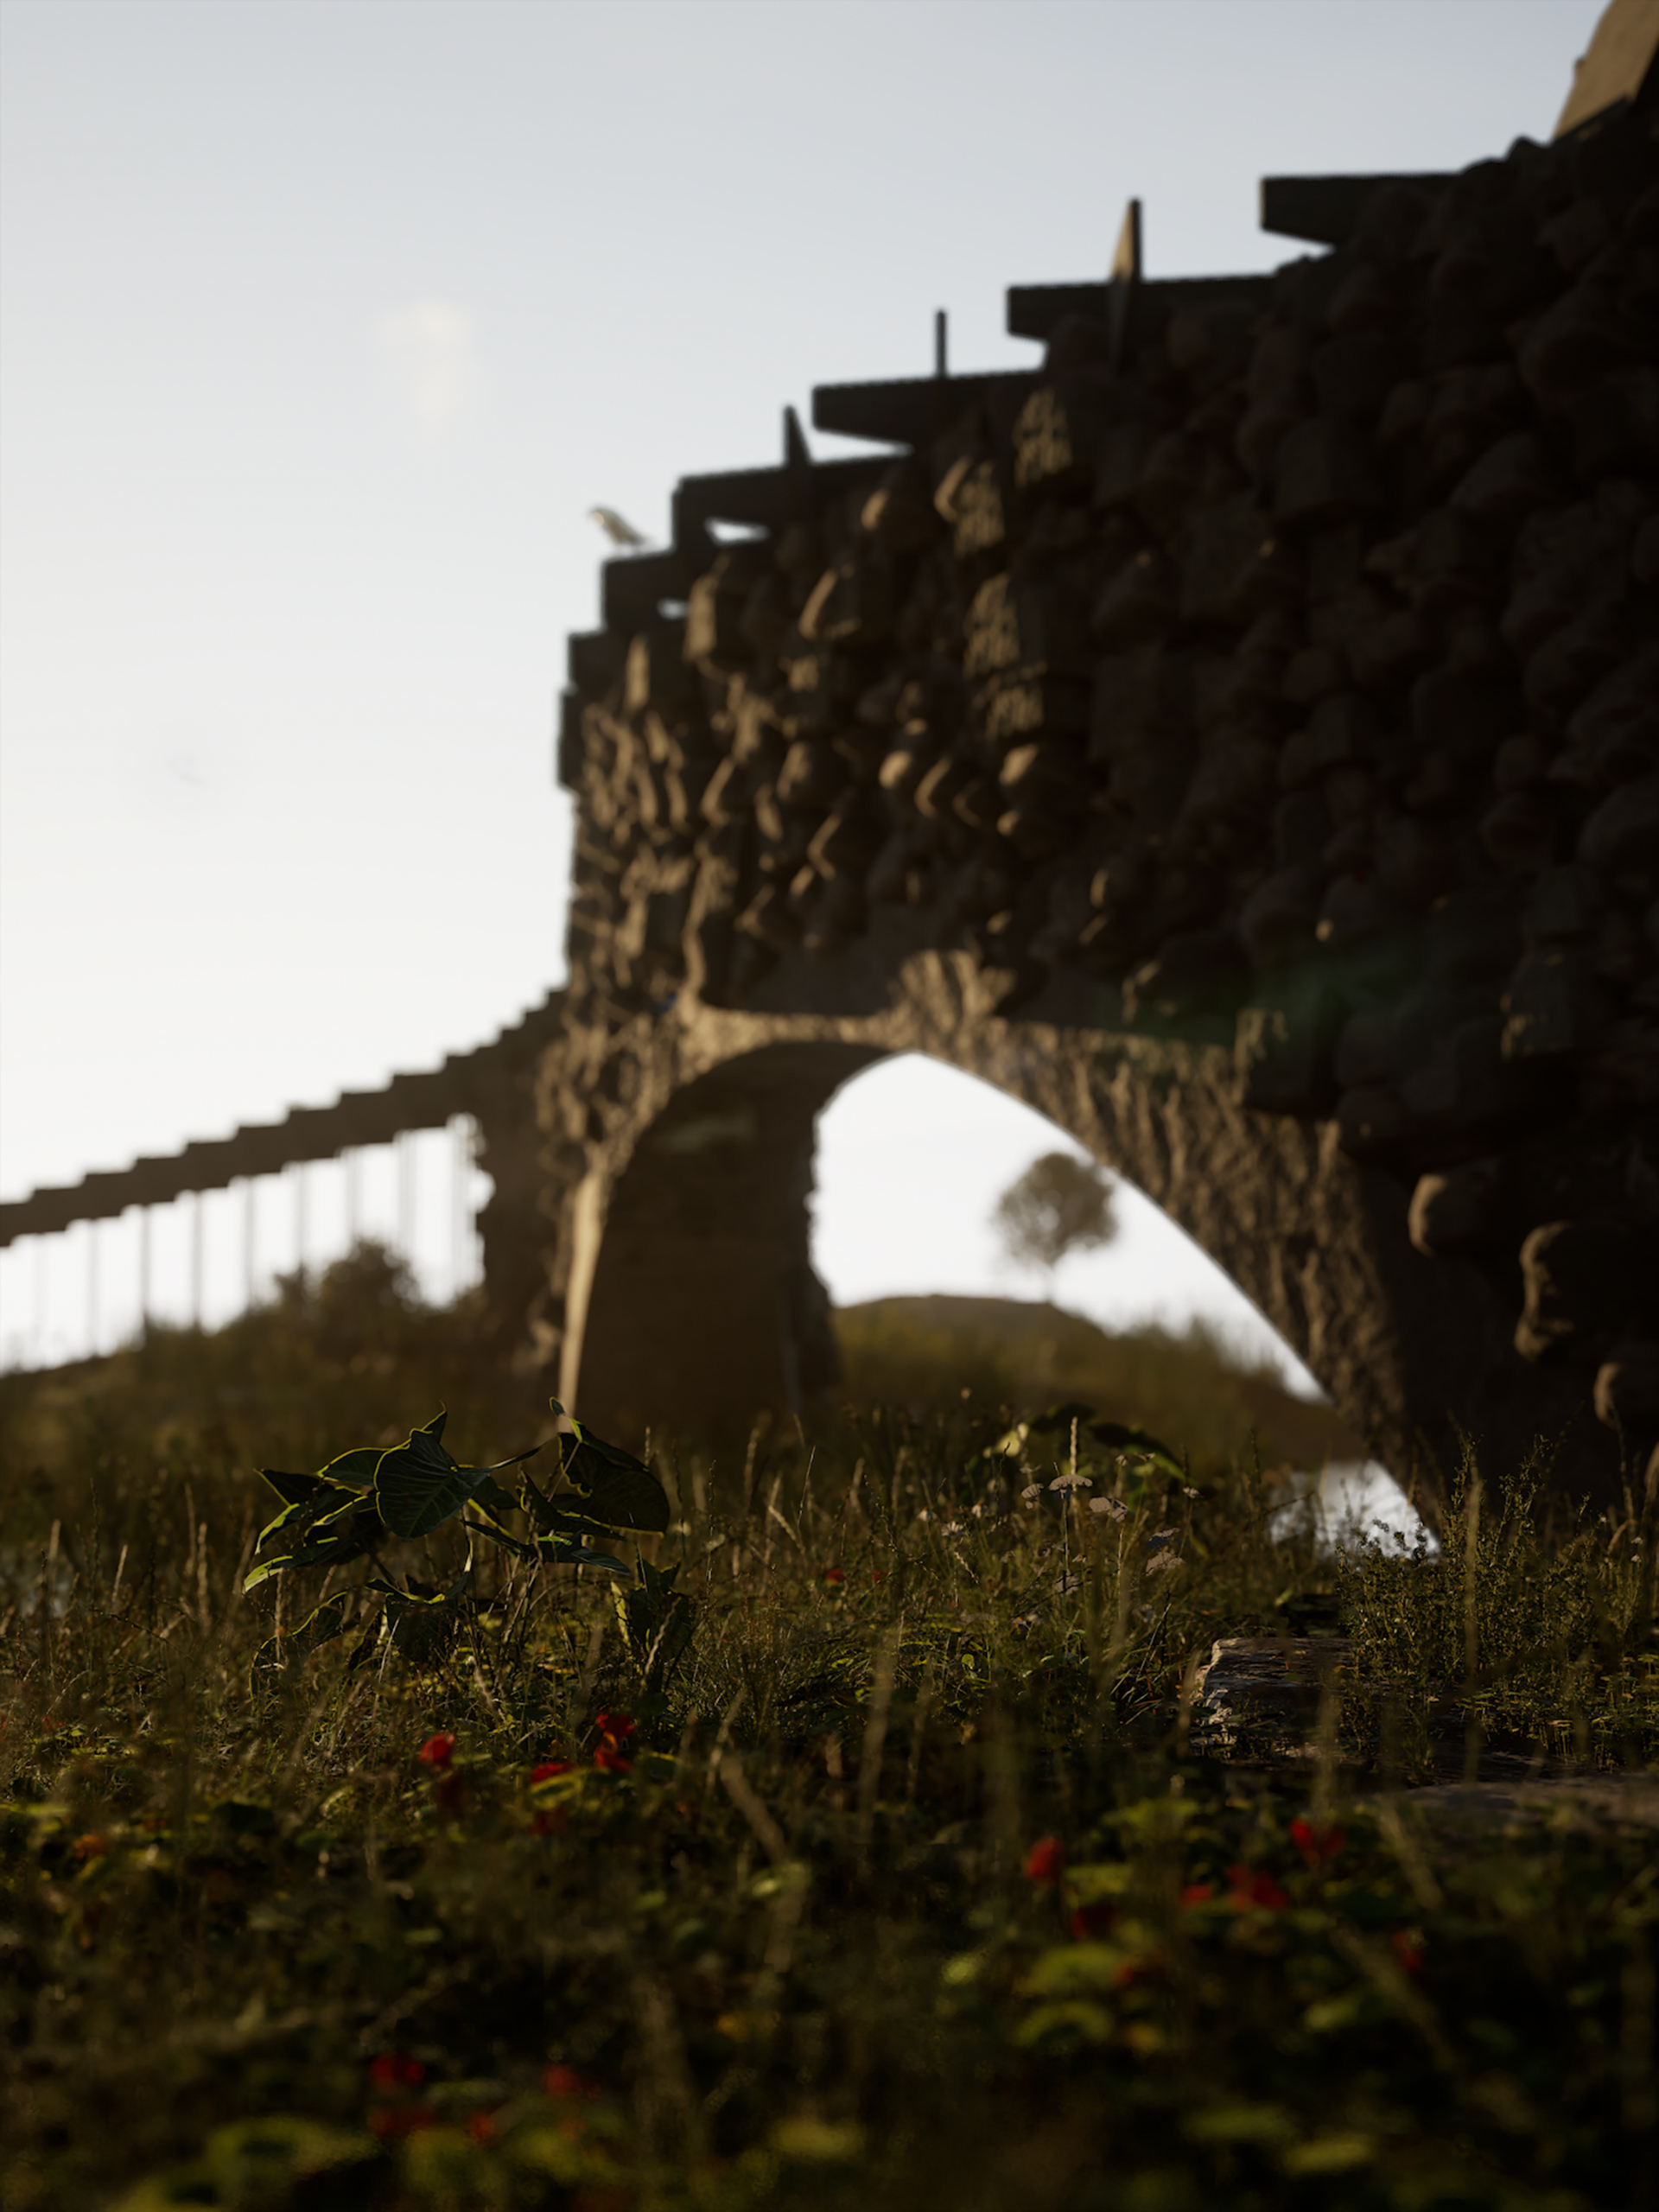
x=418, y=1486
x=307, y=1498
x=316, y=1538
x=620, y=1491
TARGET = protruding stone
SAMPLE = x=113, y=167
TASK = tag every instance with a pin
x=1453, y=1211
x=1627, y=1387
x=1582, y=1279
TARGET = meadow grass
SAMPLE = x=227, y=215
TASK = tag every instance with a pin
x=917, y=1883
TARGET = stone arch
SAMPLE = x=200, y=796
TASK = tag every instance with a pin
x=684, y=1261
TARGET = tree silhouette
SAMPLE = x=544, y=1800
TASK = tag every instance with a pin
x=1060, y=1204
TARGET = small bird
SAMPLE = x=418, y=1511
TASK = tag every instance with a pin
x=619, y=533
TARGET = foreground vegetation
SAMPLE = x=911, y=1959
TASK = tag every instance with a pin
x=914, y=1877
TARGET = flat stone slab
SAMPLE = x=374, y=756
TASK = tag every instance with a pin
x=1256, y=1684
x=1261, y=1694
x=1585, y=1800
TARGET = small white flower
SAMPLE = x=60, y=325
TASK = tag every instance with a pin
x=1031, y=1493
x=1160, y=1562
x=1072, y=1482
x=954, y=1529
x=1113, y=1507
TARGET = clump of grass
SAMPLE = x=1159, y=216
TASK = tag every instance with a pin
x=1536, y=1624
x=905, y=1886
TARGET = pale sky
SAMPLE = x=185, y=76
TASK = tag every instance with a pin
x=324, y=325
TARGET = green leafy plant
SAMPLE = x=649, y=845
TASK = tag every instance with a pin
x=369, y=1497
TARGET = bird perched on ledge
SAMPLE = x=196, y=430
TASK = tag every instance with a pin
x=620, y=532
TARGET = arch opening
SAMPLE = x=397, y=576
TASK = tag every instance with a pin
x=807, y=1175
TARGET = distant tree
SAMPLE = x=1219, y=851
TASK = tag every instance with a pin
x=1060, y=1204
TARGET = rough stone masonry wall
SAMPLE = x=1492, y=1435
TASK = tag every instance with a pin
x=1278, y=669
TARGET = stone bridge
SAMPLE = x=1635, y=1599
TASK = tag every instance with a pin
x=1238, y=738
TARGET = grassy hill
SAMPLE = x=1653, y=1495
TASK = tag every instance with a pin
x=922, y=1353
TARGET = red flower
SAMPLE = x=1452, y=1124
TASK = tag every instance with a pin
x=1045, y=1861
x=614, y=1727
x=609, y=1760
x=1197, y=1893
x=1251, y=1888
x=481, y=2125
x=1318, y=1845
x=437, y=1752
x=1407, y=1946
x=394, y=2070
x=550, y=1769
x=567, y=2086
x=834, y=1574
x=91, y=1846
x=877, y=1579
x=1089, y=1921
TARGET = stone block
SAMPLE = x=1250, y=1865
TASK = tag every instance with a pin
x=849, y=839
x=1301, y=828
x=1472, y=936
x=1510, y=482
x=1172, y=477
x=1137, y=694
x=1123, y=455
x=1139, y=604
x=970, y=500
x=1465, y=712
x=856, y=602
x=656, y=674
x=1622, y=837
x=1364, y=1049
x=1048, y=774
x=1582, y=1280
x=1518, y=832
x=1057, y=434
x=1353, y=375
x=1277, y=921
x=1370, y=1119
x=1616, y=731
x=1216, y=549
x=1343, y=732
x=1035, y=625
x=1567, y=902
x=1627, y=1388
x=1574, y=659
x=813, y=775
x=1039, y=704
x=1149, y=782
x=1457, y=1211
x=1325, y=470
x=1282, y=1053
x=1553, y=1005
